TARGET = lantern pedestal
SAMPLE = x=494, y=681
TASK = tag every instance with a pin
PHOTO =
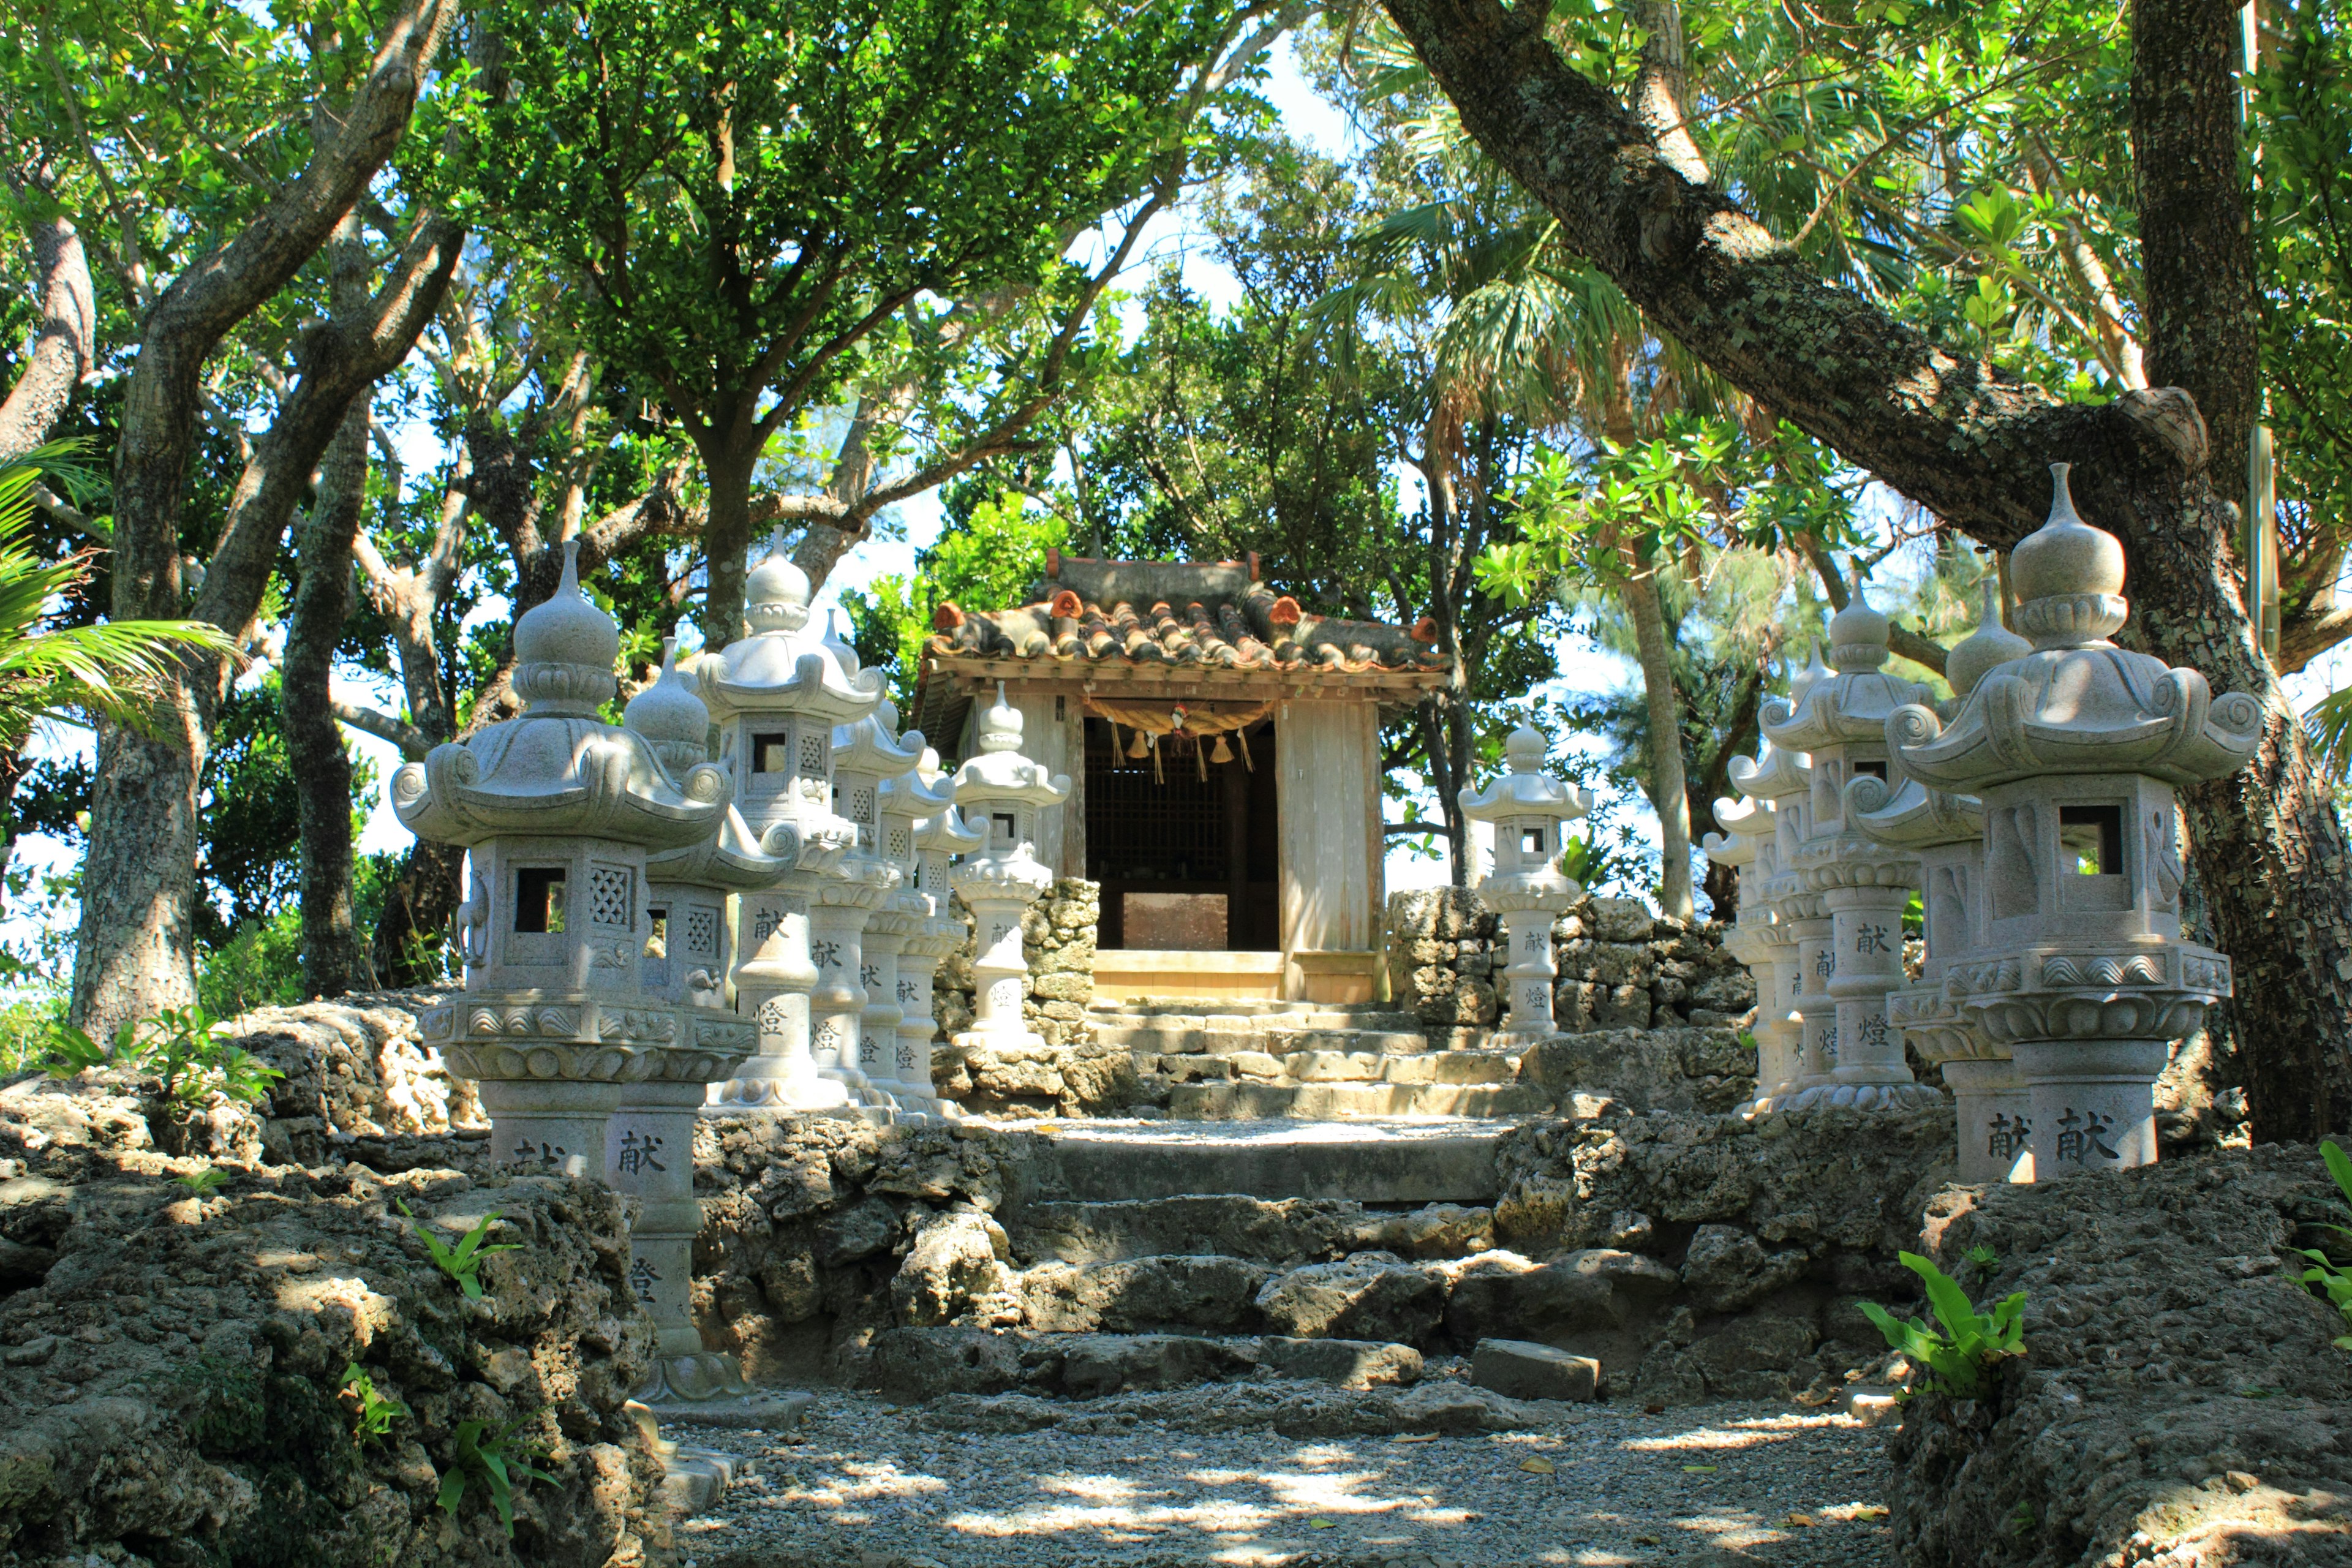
x=887, y=932
x=999, y=968
x=1996, y=1123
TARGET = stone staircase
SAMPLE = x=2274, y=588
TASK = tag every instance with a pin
x=1221, y=1059
x=1154, y=1256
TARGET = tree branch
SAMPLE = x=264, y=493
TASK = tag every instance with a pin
x=413, y=742
x=58, y=355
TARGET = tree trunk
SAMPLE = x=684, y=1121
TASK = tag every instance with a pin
x=334, y=960
x=1668, y=790
x=60, y=353
x=135, y=951
x=727, y=542
x=1970, y=442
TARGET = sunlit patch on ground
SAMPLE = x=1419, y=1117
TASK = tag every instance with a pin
x=1613, y=1487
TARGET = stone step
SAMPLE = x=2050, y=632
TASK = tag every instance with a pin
x=1225, y=1034
x=1234, y=1225
x=1368, y=1161
x=1337, y=1067
x=923, y=1363
x=1248, y=1100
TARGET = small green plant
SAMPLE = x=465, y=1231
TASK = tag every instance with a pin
x=372, y=1412
x=494, y=1456
x=2021, y=1518
x=462, y=1262
x=199, y=1182
x=1970, y=1341
x=70, y=1051
x=2332, y=1282
x=183, y=1048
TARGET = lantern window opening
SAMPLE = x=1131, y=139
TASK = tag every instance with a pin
x=657, y=943
x=1876, y=769
x=1532, y=841
x=538, y=900
x=1002, y=826
x=771, y=752
x=2091, y=841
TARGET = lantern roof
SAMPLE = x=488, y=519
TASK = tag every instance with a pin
x=669, y=717
x=784, y=666
x=557, y=769
x=1000, y=772
x=1747, y=826
x=2077, y=703
x=1851, y=702
x=1772, y=773
x=872, y=746
x=1910, y=815
x=1991, y=645
x=1523, y=788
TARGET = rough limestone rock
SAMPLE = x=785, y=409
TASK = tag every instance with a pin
x=1091, y=1366
x=1291, y=1409
x=355, y=1068
x=1368, y=1297
x=1682, y=1071
x=1434, y=1230
x=1726, y=1268
x=174, y=1382
x=1196, y=1291
x=923, y=1363
x=1271, y=1229
x=956, y=1258
x=1519, y=1369
x=1822, y=1179
x=1344, y=1364
x=1505, y=1293
x=2180, y=1400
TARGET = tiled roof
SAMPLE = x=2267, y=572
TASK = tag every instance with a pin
x=1171, y=614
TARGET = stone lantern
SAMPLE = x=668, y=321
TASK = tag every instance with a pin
x=1746, y=846
x=777, y=695
x=582, y=1069
x=2075, y=750
x=1527, y=888
x=908, y=803
x=1780, y=784
x=649, y=1147
x=1841, y=723
x=557, y=810
x=939, y=838
x=999, y=793
x=1946, y=833
x=853, y=1014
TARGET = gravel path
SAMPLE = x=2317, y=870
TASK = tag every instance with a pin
x=878, y=1486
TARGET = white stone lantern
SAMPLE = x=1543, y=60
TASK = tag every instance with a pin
x=855, y=932
x=1790, y=914
x=1841, y=724
x=906, y=1056
x=1000, y=794
x=581, y=1068
x=557, y=810
x=1527, y=890
x=1746, y=846
x=777, y=695
x=1947, y=832
x=939, y=835
x=2075, y=750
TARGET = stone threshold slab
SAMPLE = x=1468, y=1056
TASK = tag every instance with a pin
x=1367, y=1159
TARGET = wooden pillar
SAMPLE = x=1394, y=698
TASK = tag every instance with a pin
x=1053, y=731
x=1329, y=785
x=1234, y=779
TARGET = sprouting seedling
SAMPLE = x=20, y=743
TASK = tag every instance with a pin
x=2336, y=1282
x=462, y=1262
x=199, y=1182
x=372, y=1412
x=492, y=1453
x=1971, y=1341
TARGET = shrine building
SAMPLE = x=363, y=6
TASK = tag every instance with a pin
x=1225, y=746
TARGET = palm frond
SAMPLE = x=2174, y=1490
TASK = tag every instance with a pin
x=2328, y=725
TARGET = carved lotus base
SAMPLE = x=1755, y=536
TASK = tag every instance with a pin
x=699, y=1375
x=2153, y=990
x=1937, y=1028
x=582, y=1039
x=1905, y=1096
